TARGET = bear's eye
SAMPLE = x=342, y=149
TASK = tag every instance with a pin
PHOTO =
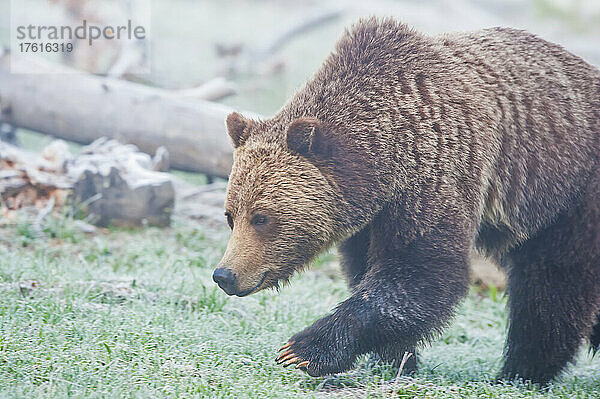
x=229, y=220
x=259, y=220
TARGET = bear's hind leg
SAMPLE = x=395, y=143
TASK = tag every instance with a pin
x=353, y=253
x=554, y=295
x=393, y=355
x=595, y=337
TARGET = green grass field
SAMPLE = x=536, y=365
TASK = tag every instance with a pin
x=123, y=313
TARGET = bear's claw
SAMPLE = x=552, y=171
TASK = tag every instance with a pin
x=303, y=364
x=285, y=356
x=288, y=358
x=292, y=361
x=285, y=346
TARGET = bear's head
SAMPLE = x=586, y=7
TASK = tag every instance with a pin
x=280, y=204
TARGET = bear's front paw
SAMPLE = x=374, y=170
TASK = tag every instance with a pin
x=316, y=354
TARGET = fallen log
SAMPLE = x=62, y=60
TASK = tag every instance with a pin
x=81, y=107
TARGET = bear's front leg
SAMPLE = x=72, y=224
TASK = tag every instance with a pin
x=326, y=347
x=405, y=297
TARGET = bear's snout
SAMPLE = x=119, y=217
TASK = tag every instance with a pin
x=226, y=279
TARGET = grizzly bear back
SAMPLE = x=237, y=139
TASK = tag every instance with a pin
x=498, y=124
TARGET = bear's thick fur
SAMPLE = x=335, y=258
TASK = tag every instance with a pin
x=410, y=152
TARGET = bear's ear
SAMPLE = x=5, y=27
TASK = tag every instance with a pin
x=237, y=127
x=308, y=137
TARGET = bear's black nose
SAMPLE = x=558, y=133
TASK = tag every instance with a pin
x=226, y=279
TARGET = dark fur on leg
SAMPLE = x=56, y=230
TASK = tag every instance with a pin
x=406, y=296
x=393, y=355
x=553, y=296
x=595, y=337
x=353, y=254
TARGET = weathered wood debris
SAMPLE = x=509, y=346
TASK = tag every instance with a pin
x=114, y=184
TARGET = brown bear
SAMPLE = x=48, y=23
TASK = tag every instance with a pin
x=411, y=152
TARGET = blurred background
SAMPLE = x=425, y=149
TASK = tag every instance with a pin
x=195, y=41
